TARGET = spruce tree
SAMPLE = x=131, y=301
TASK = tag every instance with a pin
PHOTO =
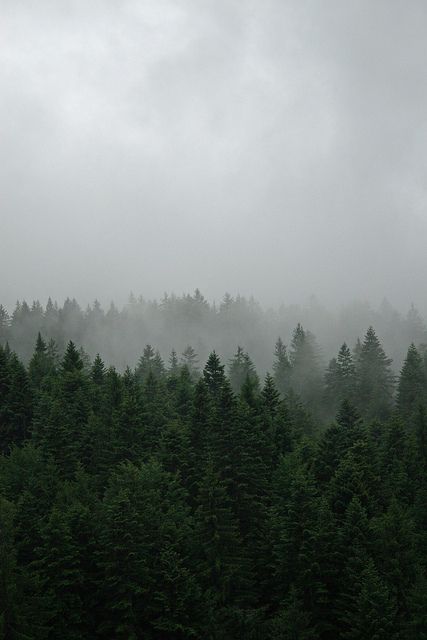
x=189, y=359
x=281, y=367
x=306, y=379
x=213, y=375
x=375, y=380
x=40, y=364
x=241, y=370
x=340, y=379
x=412, y=390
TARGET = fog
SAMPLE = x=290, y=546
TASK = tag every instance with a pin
x=274, y=149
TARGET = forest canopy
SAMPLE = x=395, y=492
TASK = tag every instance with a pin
x=187, y=498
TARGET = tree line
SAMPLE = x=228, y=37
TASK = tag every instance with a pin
x=185, y=500
x=119, y=334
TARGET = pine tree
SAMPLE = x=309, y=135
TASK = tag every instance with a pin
x=128, y=426
x=281, y=367
x=240, y=370
x=189, y=359
x=19, y=401
x=40, y=364
x=306, y=379
x=61, y=427
x=213, y=375
x=173, y=363
x=340, y=379
x=200, y=435
x=374, y=389
x=411, y=389
x=149, y=362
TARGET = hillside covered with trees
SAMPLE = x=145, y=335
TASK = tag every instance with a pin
x=187, y=499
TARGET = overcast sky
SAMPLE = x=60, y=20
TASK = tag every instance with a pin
x=270, y=147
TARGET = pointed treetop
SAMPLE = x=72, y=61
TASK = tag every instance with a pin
x=72, y=360
x=269, y=394
x=41, y=346
x=173, y=362
x=213, y=373
x=98, y=370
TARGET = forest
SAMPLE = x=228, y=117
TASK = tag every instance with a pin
x=119, y=334
x=191, y=496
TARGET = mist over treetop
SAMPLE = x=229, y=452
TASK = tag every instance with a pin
x=176, y=322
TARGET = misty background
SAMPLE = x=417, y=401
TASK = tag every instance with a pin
x=273, y=149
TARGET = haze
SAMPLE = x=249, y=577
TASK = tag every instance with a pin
x=275, y=149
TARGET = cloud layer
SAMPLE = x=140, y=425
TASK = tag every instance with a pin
x=271, y=148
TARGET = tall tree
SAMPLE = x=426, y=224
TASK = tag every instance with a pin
x=375, y=380
x=241, y=370
x=340, y=379
x=281, y=367
x=412, y=386
x=306, y=378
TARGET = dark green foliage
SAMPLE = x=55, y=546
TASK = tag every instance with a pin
x=371, y=611
x=305, y=369
x=340, y=379
x=58, y=579
x=375, y=381
x=214, y=375
x=169, y=505
x=8, y=571
x=149, y=363
x=41, y=364
x=241, y=371
x=412, y=388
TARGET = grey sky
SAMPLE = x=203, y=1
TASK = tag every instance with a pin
x=271, y=147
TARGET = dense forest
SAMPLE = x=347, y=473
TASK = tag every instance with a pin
x=183, y=499
x=176, y=322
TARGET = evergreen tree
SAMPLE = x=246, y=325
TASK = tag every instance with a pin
x=374, y=389
x=189, y=359
x=40, y=364
x=173, y=363
x=281, y=367
x=241, y=370
x=213, y=375
x=19, y=402
x=61, y=428
x=306, y=379
x=411, y=389
x=128, y=422
x=149, y=362
x=340, y=379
